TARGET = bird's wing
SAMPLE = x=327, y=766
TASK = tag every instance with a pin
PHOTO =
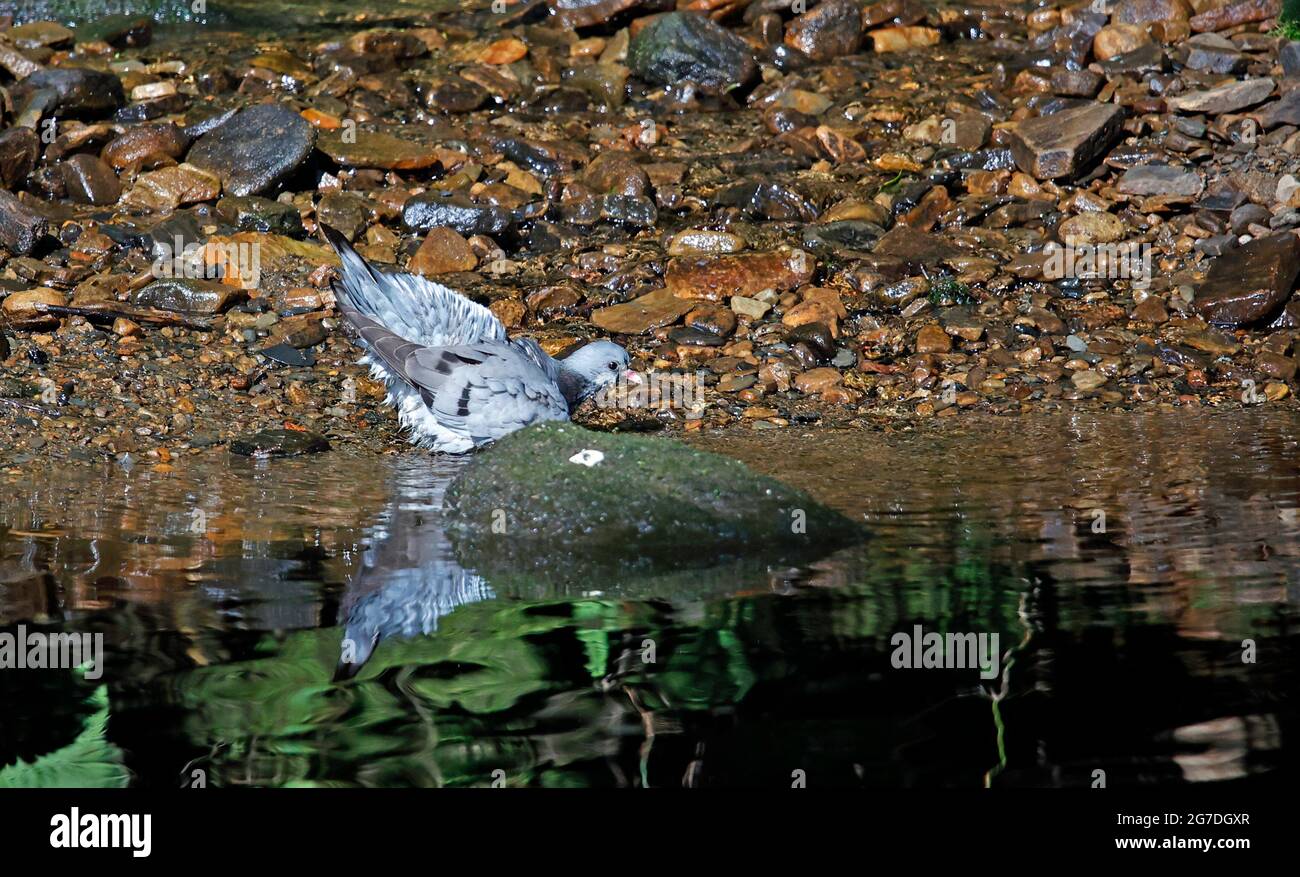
x=533, y=351
x=386, y=345
x=419, y=310
x=484, y=391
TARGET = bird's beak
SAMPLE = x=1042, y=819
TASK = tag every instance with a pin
x=633, y=378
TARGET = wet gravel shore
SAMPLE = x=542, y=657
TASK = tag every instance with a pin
x=828, y=215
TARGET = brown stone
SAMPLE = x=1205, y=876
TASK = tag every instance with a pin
x=1275, y=365
x=830, y=29
x=1213, y=342
x=99, y=288
x=817, y=380
x=932, y=339
x=717, y=278
x=650, y=311
x=546, y=301
x=1154, y=179
x=1226, y=98
x=1067, y=143
x=1233, y=14
x=442, y=252
x=504, y=51
x=899, y=39
x=812, y=311
x=712, y=318
x=19, y=150
x=915, y=248
x=573, y=14
x=1092, y=228
x=14, y=61
x=1116, y=39
x=187, y=296
x=1075, y=83
x=41, y=35
x=145, y=146
x=299, y=330
x=26, y=310
x=89, y=180
x=1087, y=380
x=21, y=227
x=1151, y=310
x=375, y=150
x=896, y=12
x=692, y=242
x=840, y=147
x=125, y=328
x=510, y=311
x=396, y=43
x=1148, y=11
x=1250, y=282
x=170, y=187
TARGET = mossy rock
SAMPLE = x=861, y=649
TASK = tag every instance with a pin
x=524, y=504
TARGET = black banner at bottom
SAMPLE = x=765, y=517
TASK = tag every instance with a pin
x=333, y=827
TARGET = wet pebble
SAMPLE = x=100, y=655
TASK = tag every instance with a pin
x=681, y=46
x=254, y=149
x=279, y=443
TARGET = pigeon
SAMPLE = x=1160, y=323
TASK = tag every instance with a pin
x=457, y=380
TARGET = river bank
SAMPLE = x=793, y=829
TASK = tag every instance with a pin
x=854, y=217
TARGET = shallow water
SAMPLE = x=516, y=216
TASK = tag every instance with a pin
x=1120, y=638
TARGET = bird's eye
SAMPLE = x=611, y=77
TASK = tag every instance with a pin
x=613, y=366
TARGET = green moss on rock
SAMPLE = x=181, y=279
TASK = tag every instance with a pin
x=523, y=504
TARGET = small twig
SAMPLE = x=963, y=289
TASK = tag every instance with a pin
x=109, y=312
x=26, y=406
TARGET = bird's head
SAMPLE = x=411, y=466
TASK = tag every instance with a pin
x=600, y=364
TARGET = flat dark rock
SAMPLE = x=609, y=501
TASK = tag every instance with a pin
x=187, y=296
x=20, y=226
x=253, y=213
x=279, y=443
x=914, y=247
x=1224, y=99
x=255, y=149
x=89, y=180
x=19, y=150
x=1251, y=282
x=1290, y=58
x=1067, y=143
x=80, y=92
x=1158, y=179
x=1148, y=58
x=1285, y=111
x=1212, y=53
x=287, y=354
x=431, y=209
x=574, y=14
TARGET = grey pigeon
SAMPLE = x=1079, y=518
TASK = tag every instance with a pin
x=457, y=381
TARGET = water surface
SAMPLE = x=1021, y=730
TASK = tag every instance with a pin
x=305, y=622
